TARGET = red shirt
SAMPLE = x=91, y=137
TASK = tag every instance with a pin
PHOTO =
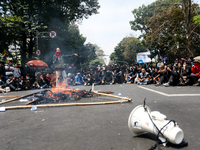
x=196, y=69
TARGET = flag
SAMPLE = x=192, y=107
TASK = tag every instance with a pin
x=5, y=56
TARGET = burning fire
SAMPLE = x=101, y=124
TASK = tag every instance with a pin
x=63, y=92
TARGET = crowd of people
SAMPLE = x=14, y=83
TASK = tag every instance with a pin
x=180, y=73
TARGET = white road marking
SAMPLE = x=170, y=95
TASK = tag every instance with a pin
x=165, y=94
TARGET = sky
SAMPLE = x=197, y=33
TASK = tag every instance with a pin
x=111, y=25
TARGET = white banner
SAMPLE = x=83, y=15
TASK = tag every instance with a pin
x=143, y=57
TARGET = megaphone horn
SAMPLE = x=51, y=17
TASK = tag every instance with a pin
x=58, y=54
x=142, y=120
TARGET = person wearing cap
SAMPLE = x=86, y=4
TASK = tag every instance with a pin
x=60, y=67
x=78, y=79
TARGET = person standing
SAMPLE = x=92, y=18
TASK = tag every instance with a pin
x=159, y=64
x=17, y=72
x=9, y=69
x=58, y=61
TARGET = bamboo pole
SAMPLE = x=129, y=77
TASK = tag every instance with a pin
x=68, y=104
x=110, y=95
x=9, y=96
x=14, y=99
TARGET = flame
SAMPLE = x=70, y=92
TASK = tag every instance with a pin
x=62, y=92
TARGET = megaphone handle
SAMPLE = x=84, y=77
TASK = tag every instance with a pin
x=145, y=104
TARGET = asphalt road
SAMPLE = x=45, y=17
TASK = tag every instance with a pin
x=100, y=127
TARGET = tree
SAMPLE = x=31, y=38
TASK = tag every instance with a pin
x=21, y=18
x=170, y=29
x=127, y=49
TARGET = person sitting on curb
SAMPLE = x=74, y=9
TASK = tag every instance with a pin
x=40, y=82
x=108, y=78
x=195, y=76
x=132, y=76
x=173, y=76
x=97, y=79
x=144, y=77
x=163, y=75
x=185, y=75
x=2, y=84
x=88, y=79
x=126, y=76
x=155, y=75
x=27, y=82
x=10, y=82
x=78, y=79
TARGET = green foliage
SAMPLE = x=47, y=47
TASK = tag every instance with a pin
x=91, y=54
x=196, y=20
x=127, y=49
x=167, y=27
x=96, y=62
x=19, y=20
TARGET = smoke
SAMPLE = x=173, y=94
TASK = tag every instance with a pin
x=62, y=40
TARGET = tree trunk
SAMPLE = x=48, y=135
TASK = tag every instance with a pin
x=30, y=49
x=23, y=46
x=187, y=13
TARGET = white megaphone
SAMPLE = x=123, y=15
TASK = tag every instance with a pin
x=142, y=120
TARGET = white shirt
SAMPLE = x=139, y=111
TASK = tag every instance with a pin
x=17, y=72
x=9, y=72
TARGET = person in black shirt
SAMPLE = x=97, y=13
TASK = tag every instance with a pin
x=173, y=76
x=108, y=78
x=155, y=75
x=2, y=71
x=119, y=76
x=88, y=79
x=31, y=71
x=185, y=76
x=97, y=80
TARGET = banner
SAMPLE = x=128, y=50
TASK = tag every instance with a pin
x=143, y=57
x=5, y=56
